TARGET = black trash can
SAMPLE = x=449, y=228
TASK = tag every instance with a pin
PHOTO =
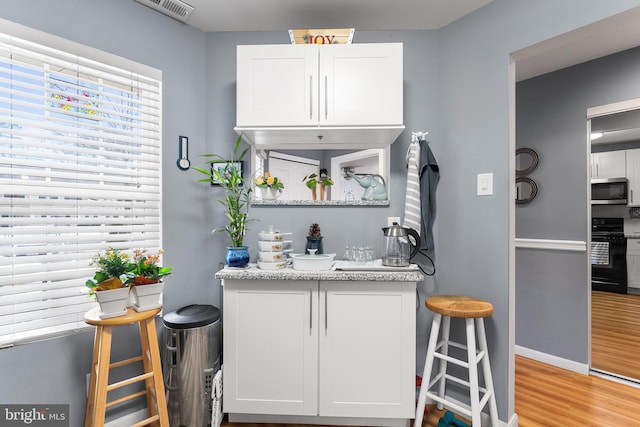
x=191, y=358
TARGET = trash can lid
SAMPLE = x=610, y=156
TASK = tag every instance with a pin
x=192, y=316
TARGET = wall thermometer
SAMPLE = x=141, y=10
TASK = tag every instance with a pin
x=183, y=151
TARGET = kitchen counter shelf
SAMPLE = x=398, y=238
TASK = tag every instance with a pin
x=316, y=203
x=254, y=273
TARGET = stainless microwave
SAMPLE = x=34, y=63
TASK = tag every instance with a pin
x=609, y=191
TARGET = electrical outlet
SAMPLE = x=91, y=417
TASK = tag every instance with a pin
x=392, y=219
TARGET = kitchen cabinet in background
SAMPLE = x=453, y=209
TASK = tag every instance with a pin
x=608, y=164
x=633, y=176
x=319, y=352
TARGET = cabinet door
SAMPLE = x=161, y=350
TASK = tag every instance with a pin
x=361, y=84
x=270, y=347
x=367, y=349
x=609, y=164
x=633, y=176
x=277, y=85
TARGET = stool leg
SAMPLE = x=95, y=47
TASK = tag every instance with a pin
x=428, y=365
x=158, y=383
x=91, y=398
x=444, y=350
x=102, y=376
x=474, y=392
x=147, y=367
x=486, y=371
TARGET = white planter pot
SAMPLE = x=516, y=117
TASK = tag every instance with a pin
x=113, y=302
x=269, y=193
x=147, y=297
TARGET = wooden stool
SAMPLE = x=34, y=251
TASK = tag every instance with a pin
x=445, y=307
x=99, y=385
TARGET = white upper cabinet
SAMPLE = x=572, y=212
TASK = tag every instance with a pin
x=633, y=176
x=332, y=94
x=277, y=85
x=360, y=85
x=608, y=164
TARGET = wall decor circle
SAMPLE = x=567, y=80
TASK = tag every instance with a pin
x=526, y=190
x=527, y=160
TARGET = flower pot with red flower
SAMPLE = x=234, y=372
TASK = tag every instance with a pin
x=146, y=279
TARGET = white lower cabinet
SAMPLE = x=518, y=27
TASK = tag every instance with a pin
x=333, y=349
x=270, y=344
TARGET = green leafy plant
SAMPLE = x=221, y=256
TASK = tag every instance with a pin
x=311, y=181
x=236, y=200
x=146, y=269
x=112, y=267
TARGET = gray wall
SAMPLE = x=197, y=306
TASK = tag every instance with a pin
x=456, y=87
x=473, y=232
x=54, y=371
x=552, y=287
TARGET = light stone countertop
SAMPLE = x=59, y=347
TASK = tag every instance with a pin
x=255, y=273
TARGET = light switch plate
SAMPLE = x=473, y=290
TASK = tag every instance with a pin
x=485, y=184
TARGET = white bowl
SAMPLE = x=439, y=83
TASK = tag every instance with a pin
x=267, y=236
x=267, y=246
x=270, y=256
x=312, y=262
x=272, y=265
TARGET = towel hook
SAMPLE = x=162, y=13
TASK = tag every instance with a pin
x=418, y=136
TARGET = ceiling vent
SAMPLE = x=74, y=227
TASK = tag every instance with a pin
x=176, y=9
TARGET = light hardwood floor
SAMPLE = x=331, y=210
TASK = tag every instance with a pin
x=547, y=396
x=615, y=333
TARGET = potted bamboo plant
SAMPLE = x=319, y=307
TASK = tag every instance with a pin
x=236, y=200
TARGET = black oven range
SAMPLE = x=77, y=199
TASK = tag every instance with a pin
x=608, y=255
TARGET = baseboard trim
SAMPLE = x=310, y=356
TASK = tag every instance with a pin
x=128, y=420
x=314, y=419
x=549, y=359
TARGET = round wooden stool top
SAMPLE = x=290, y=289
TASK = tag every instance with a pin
x=92, y=317
x=459, y=306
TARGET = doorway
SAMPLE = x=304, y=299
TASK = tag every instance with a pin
x=552, y=303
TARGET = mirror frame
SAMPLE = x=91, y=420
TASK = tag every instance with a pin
x=602, y=111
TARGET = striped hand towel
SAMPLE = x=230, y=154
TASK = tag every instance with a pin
x=412, y=212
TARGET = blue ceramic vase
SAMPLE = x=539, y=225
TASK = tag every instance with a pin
x=237, y=256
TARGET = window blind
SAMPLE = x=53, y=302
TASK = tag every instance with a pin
x=80, y=171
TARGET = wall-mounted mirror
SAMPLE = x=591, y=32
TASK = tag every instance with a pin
x=615, y=260
x=344, y=167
